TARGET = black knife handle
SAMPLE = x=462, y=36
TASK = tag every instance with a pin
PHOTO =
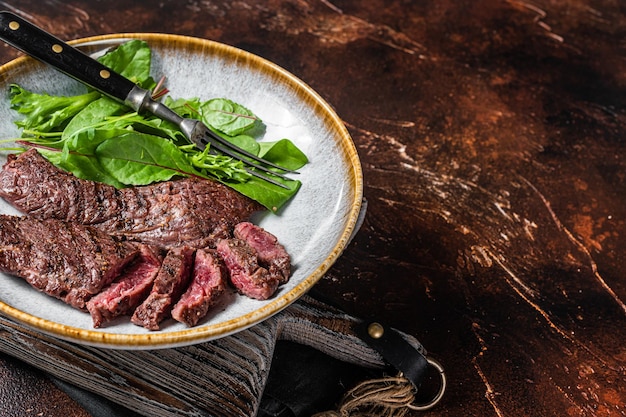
x=47, y=48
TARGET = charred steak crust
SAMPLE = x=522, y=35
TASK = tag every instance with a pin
x=208, y=283
x=69, y=261
x=171, y=281
x=95, y=247
x=128, y=291
x=190, y=211
x=244, y=271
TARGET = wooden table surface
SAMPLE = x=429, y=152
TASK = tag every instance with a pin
x=492, y=136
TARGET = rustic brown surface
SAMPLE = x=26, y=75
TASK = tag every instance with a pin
x=25, y=392
x=491, y=137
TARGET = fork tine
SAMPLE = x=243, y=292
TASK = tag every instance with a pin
x=89, y=71
x=266, y=178
x=216, y=140
x=230, y=152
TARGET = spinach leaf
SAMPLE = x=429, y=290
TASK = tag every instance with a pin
x=132, y=59
x=92, y=116
x=185, y=107
x=99, y=139
x=78, y=155
x=245, y=142
x=139, y=159
x=227, y=116
x=283, y=153
x=269, y=195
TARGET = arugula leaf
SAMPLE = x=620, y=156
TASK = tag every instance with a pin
x=222, y=167
x=99, y=139
x=45, y=112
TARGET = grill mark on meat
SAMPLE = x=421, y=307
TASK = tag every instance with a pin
x=207, y=285
x=79, y=234
x=65, y=260
x=190, y=211
x=128, y=290
x=272, y=255
x=168, y=286
x=245, y=273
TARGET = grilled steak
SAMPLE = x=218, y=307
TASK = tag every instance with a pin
x=95, y=247
x=128, y=290
x=190, y=211
x=69, y=261
x=272, y=255
x=245, y=273
x=169, y=284
x=208, y=282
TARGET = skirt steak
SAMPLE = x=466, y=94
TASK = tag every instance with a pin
x=244, y=271
x=208, y=282
x=97, y=248
x=190, y=211
x=69, y=261
x=171, y=281
x=272, y=255
x=128, y=290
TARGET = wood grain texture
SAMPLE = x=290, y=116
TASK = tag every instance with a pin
x=221, y=378
x=491, y=134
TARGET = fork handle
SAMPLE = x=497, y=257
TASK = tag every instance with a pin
x=49, y=49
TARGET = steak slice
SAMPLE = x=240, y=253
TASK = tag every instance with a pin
x=191, y=211
x=128, y=291
x=207, y=284
x=69, y=261
x=169, y=284
x=245, y=273
x=272, y=255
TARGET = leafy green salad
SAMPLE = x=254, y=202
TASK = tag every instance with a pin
x=97, y=138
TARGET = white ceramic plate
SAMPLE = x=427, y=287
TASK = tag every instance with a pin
x=314, y=226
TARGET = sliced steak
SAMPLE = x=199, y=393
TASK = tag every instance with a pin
x=208, y=282
x=69, y=261
x=171, y=281
x=244, y=271
x=190, y=211
x=128, y=290
x=272, y=255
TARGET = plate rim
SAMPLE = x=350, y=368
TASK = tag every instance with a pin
x=205, y=333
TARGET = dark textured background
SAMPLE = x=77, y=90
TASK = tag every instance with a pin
x=491, y=134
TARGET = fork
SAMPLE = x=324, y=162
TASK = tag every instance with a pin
x=47, y=48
